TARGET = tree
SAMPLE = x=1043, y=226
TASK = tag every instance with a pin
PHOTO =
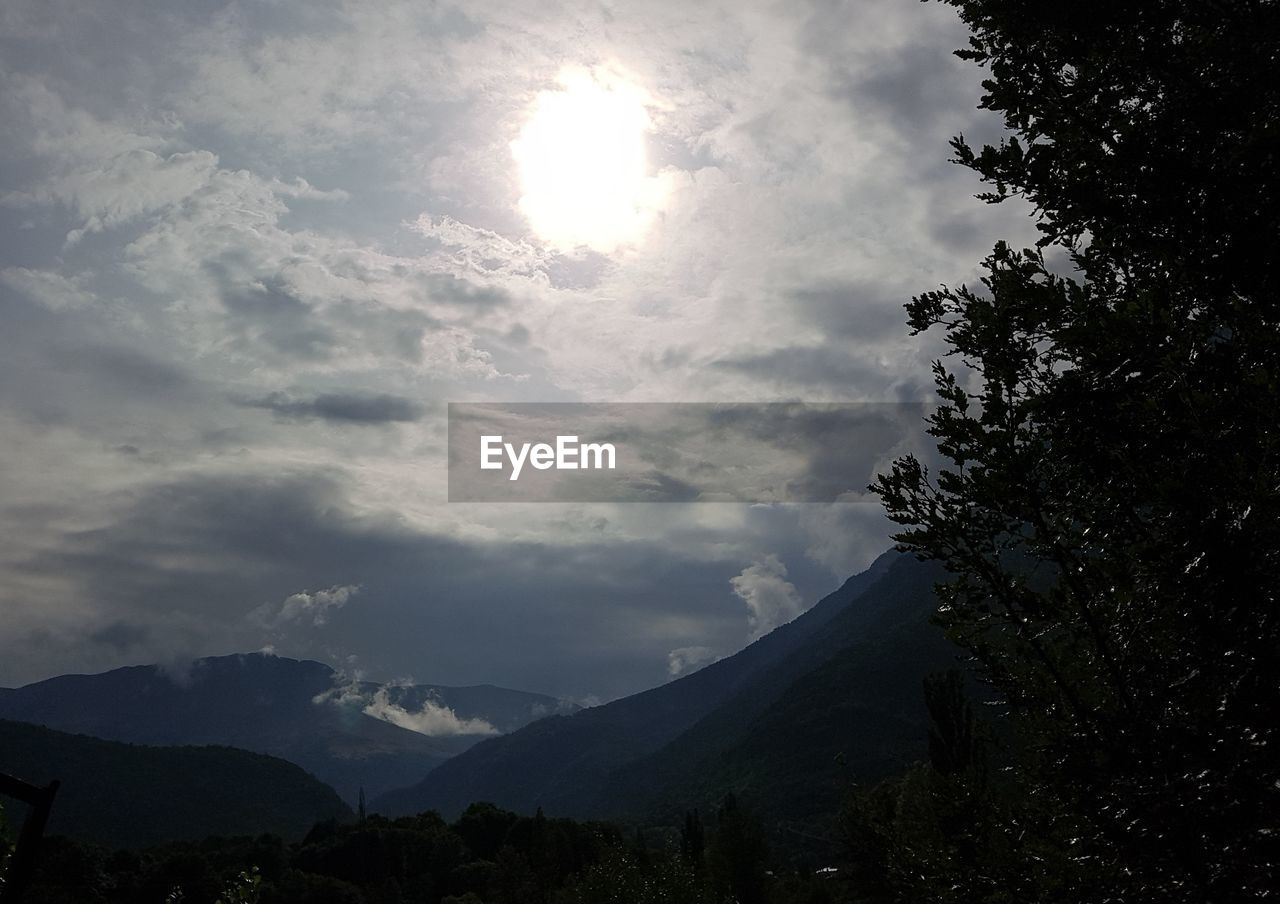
x=935, y=833
x=692, y=839
x=740, y=853
x=1110, y=507
x=953, y=735
x=484, y=828
x=243, y=889
x=6, y=847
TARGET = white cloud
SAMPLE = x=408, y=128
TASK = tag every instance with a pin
x=689, y=659
x=771, y=599
x=127, y=187
x=305, y=607
x=845, y=538
x=470, y=249
x=67, y=137
x=433, y=719
x=49, y=288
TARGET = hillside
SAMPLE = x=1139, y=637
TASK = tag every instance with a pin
x=300, y=711
x=579, y=765
x=126, y=795
x=846, y=707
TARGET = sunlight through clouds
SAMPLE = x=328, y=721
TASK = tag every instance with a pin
x=582, y=163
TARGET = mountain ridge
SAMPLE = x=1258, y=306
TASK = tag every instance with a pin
x=299, y=710
x=848, y=708
x=564, y=764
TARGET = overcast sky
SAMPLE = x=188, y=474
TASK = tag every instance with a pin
x=251, y=249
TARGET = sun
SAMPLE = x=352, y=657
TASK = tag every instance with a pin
x=582, y=163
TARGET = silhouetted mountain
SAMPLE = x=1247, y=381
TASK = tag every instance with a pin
x=848, y=706
x=302, y=711
x=125, y=795
x=728, y=723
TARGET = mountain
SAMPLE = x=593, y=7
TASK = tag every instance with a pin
x=848, y=706
x=124, y=795
x=634, y=756
x=350, y=735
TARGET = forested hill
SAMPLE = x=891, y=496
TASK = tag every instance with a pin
x=127, y=795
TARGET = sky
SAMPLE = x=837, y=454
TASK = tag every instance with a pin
x=252, y=249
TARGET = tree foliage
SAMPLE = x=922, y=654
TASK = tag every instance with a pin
x=740, y=853
x=488, y=856
x=1110, y=507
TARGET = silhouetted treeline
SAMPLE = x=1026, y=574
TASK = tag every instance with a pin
x=488, y=856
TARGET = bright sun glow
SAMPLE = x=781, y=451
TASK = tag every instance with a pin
x=583, y=166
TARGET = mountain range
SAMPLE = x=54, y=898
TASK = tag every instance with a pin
x=349, y=734
x=832, y=697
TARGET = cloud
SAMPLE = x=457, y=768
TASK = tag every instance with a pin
x=130, y=186
x=131, y=369
x=310, y=210
x=572, y=602
x=121, y=636
x=483, y=251
x=305, y=607
x=432, y=719
x=806, y=367
x=843, y=538
x=858, y=311
x=771, y=599
x=689, y=659
x=272, y=313
x=342, y=407
x=51, y=289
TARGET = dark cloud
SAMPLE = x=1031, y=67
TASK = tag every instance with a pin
x=129, y=369
x=865, y=311
x=270, y=312
x=842, y=445
x=194, y=558
x=121, y=636
x=919, y=91
x=911, y=86
x=365, y=409
x=73, y=367
x=959, y=231
x=653, y=486
x=807, y=367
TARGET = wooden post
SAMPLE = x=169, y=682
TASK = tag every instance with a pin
x=22, y=864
